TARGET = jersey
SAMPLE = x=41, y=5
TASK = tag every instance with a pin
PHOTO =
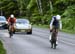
x=56, y=23
x=11, y=20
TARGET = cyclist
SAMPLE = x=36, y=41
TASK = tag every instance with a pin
x=55, y=24
x=11, y=21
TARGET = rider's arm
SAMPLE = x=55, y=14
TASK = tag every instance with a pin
x=14, y=20
x=60, y=25
x=51, y=23
x=8, y=20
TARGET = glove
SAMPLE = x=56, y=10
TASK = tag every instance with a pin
x=50, y=30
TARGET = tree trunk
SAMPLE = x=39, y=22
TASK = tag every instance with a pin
x=39, y=4
x=51, y=7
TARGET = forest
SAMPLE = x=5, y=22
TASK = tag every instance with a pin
x=40, y=12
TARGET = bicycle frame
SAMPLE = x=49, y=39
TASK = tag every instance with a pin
x=11, y=29
x=54, y=38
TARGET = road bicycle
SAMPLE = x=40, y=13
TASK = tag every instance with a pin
x=10, y=30
x=54, y=38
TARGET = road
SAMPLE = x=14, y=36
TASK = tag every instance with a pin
x=37, y=43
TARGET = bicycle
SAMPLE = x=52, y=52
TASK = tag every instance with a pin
x=54, y=38
x=10, y=29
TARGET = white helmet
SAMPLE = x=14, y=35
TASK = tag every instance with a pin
x=11, y=16
x=58, y=17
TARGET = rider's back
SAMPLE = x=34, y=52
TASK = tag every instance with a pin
x=56, y=23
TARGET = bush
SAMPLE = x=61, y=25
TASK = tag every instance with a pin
x=2, y=50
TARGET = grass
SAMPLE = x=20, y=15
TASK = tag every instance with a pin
x=47, y=26
x=69, y=31
x=41, y=26
x=2, y=50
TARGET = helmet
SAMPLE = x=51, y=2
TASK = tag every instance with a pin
x=54, y=17
x=58, y=17
x=11, y=16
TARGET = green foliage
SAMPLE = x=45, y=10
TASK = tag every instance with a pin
x=36, y=19
x=31, y=4
x=70, y=11
x=69, y=15
x=8, y=7
x=2, y=50
x=31, y=9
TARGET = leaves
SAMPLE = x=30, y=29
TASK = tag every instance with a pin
x=41, y=11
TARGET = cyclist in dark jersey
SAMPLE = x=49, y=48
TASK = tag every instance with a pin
x=56, y=24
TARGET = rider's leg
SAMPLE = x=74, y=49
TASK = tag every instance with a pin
x=9, y=28
x=12, y=27
x=51, y=44
x=57, y=36
x=50, y=36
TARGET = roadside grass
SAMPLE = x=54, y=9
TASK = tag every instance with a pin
x=47, y=27
x=2, y=50
x=41, y=26
x=68, y=31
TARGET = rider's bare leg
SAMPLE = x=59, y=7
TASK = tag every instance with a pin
x=57, y=36
x=12, y=27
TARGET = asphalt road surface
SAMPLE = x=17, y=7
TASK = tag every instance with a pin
x=37, y=43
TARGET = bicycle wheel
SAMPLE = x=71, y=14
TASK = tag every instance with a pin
x=10, y=33
x=53, y=38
